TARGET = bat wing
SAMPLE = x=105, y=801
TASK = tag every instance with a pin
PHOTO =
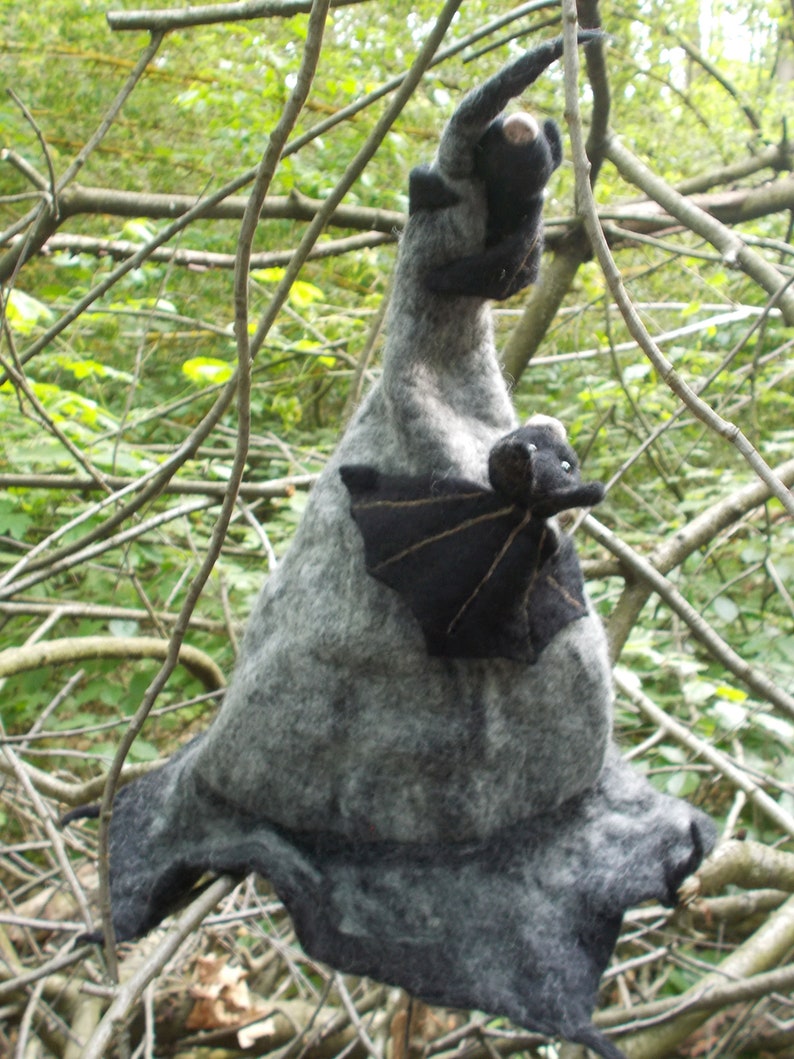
x=483, y=578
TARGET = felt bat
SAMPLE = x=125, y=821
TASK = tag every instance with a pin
x=484, y=571
x=514, y=157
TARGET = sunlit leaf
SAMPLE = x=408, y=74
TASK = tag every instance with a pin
x=24, y=312
x=207, y=371
x=302, y=294
x=725, y=608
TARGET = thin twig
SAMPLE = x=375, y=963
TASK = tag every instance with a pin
x=243, y=380
x=700, y=628
x=131, y=990
x=53, y=834
x=715, y=232
x=721, y=762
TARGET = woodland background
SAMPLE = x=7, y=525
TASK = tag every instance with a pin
x=130, y=414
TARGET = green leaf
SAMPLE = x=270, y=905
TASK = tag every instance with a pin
x=725, y=691
x=137, y=231
x=143, y=750
x=24, y=312
x=13, y=521
x=725, y=608
x=206, y=371
x=302, y=294
x=268, y=275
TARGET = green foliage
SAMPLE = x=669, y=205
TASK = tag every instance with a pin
x=122, y=388
x=128, y=382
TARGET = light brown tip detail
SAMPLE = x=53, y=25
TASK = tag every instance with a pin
x=520, y=128
x=550, y=423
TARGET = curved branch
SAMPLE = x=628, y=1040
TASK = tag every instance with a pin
x=670, y=199
x=686, y=540
x=76, y=794
x=210, y=14
x=750, y=865
x=735, y=252
x=701, y=630
x=121, y=249
x=70, y=649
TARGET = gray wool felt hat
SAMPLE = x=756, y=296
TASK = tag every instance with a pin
x=461, y=826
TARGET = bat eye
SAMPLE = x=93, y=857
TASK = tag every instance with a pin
x=566, y=466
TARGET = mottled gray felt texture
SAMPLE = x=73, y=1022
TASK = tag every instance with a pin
x=460, y=827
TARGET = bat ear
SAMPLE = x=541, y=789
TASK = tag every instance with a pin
x=511, y=467
x=427, y=190
x=359, y=478
x=552, y=133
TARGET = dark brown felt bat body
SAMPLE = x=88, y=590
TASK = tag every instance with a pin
x=484, y=572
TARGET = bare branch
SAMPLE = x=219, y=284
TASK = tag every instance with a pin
x=275, y=146
x=735, y=252
x=209, y=14
x=72, y=649
x=80, y=199
x=49, y=214
x=675, y=202
x=768, y=806
x=131, y=990
x=716, y=995
x=697, y=56
x=766, y=948
x=776, y=156
x=121, y=249
x=687, y=539
x=75, y=794
x=101, y=613
x=356, y=167
x=748, y=864
x=248, y=490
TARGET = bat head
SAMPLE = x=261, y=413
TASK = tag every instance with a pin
x=536, y=468
x=515, y=159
